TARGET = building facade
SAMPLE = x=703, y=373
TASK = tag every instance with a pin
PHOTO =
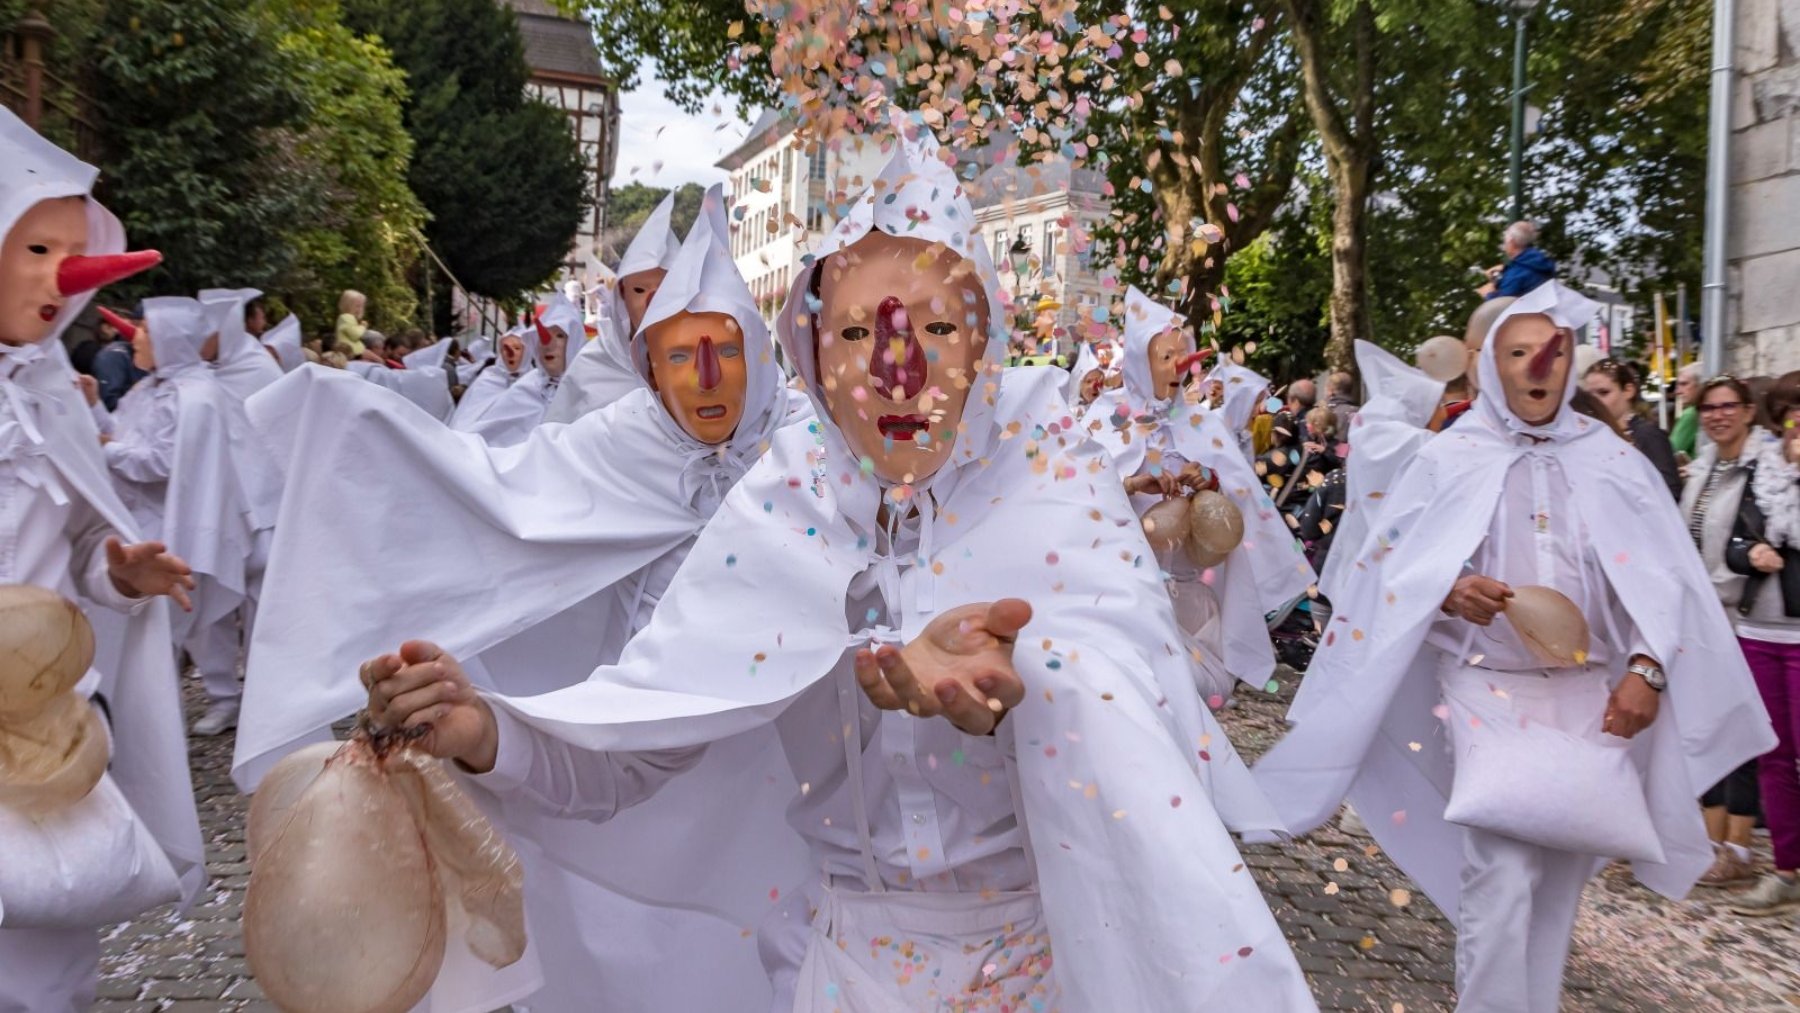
x=1763, y=245
x=1036, y=220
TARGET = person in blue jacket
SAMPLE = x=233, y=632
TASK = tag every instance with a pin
x=1526, y=268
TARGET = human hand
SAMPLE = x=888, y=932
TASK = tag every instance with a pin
x=960, y=667
x=1631, y=708
x=1477, y=599
x=422, y=687
x=147, y=568
x=90, y=388
x=1147, y=484
x=1764, y=557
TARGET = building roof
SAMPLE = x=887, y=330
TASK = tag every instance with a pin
x=555, y=44
x=769, y=127
x=1024, y=182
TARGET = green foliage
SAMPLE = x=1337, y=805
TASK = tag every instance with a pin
x=356, y=141
x=685, y=42
x=202, y=112
x=499, y=173
x=1275, y=292
x=630, y=204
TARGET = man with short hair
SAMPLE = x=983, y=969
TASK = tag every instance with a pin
x=1290, y=422
x=1341, y=399
x=1526, y=268
x=1684, y=435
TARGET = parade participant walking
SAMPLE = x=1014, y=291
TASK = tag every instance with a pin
x=864, y=570
x=516, y=359
x=514, y=413
x=63, y=528
x=1479, y=737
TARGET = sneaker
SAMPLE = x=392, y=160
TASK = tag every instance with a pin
x=220, y=717
x=1727, y=870
x=1352, y=824
x=1772, y=895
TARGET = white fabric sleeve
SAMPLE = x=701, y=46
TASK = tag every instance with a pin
x=88, y=532
x=103, y=419
x=147, y=453
x=566, y=781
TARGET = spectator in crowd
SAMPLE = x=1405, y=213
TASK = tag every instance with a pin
x=351, y=327
x=1526, y=266
x=1290, y=421
x=113, y=368
x=1764, y=553
x=1341, y=399
x=1718, y=485
x=1686, y=430
x=1615, y=384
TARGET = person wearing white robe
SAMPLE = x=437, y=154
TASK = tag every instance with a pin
x=580, y=530
x=515, y=359
x=1499, y=782
x=63, y=528
x=187, y=463
x=284, y=342
x=602, y=372
x=1243, y=390
x=1093, y=821
x=522, y=406
x=242, y=365
x=1151, y=435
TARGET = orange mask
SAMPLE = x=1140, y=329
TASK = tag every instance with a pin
x=698, y=369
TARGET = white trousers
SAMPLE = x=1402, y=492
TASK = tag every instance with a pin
x=215, y=652
x=1518, y=913
x=48, y=970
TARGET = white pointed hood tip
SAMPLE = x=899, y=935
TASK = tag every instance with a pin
x=918, y=196
x=655, y=244
x=178, y=326
x=33, y=170
x=1566, y=308
x=1397, y=388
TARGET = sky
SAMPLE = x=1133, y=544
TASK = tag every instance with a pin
x=660, y=145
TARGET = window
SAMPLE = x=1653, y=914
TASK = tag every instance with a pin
x=1000, y=245
x=816, y=163
x=1049, y=255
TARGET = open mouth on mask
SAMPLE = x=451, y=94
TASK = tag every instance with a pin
x=711, y=412
x=901, y=427
x=47, y=312
x=1538, y=394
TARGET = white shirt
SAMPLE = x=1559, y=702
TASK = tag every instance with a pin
x=940, y=802
x=142, y=451
x=1535, y=538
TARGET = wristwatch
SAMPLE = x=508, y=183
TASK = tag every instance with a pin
x=1652, y=676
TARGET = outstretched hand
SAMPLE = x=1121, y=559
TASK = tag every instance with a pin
x=148, y=568
x=960, y=667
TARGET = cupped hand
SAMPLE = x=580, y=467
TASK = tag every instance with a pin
x=960, y=667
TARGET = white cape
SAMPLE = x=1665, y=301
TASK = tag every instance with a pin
x=285, y=340
x=243, y=366
x=1363, y=722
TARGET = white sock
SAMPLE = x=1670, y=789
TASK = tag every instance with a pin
x=1742, y=853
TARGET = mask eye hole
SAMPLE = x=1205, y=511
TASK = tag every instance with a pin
x=940, y=328
x=39, y=249
x=854, y=333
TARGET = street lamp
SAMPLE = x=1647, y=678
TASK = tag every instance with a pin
x=1020, y=256
x=1521, y=12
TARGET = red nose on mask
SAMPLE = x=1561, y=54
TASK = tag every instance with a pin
x=898, y=360
x=1539, y=366
x=79, y=274
x=118, y=322
x=544, y=335
x=707, y=363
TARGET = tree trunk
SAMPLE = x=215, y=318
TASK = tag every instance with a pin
x=1349, y=265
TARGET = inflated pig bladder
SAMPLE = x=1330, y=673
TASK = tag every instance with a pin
x=344, y=911
x=1216, y=528
x=53, y=759
x=46, y=646
x=1550, y=625
x=355, y=852
x=1166, y=524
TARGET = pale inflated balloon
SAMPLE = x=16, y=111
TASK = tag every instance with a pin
x=1216, y=528
x=1166, y=524
x=1550, y=625
x=279, y=790
x=344, y=913
x=1443, y=358
x=54, y=758
x=46, y=646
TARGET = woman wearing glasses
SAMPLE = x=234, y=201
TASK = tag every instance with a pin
x=1742, y=468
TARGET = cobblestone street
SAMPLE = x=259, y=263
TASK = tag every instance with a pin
x=1365, y=941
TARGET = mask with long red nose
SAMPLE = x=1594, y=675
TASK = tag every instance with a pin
x=44, y=263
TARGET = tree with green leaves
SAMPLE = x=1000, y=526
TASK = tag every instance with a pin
x=629, y=205
x=201, y=118
x=498, y=171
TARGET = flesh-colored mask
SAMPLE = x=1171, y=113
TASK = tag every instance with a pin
x=698, y=369
x=512, y=352
x=143, y=355
x=637, y=289
x=554, y=354
x=209, y=349
x=902, y=328
x=1165, y=357
x=1533, y=355
x=33, y=251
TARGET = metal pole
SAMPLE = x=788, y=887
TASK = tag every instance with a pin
x=1718, y=185
x=1518, y=116
x=1661, y=360
x=1683, y=340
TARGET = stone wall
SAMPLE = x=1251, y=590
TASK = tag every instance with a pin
x=1763, y=312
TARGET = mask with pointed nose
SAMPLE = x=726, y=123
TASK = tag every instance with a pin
x=698, y=370
x=44, y=262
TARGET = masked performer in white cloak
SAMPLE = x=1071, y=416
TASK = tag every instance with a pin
x=1399, y=418
x=185, y=460
x=1163, y=446
x=241, y=364
x=1096, y=371
x=934, y=487
x=515, y=361
x=133, y=842
x=576, y=533
x=1499, y=752
x=284, y=341
x=603, y=372
x=1241, y=390
x=514, y=413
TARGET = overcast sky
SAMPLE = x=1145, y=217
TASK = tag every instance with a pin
x=662, y=146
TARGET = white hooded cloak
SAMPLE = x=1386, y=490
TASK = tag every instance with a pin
x=285, y=340
x=243, y=366
x=485, y=390
x=1364, y=722
x=513, y=414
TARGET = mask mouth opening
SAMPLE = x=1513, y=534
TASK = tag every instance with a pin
x=902, y=427
x=711, y=412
